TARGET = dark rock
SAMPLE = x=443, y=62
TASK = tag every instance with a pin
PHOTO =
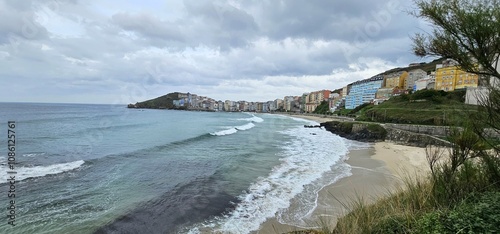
x=356, y=131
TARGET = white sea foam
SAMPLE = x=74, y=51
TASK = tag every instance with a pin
x=39, y=171
x=254, y=119
x=357, y=145
x=246, y=126
x=31, y=155
x=225, y=132
x=313, y=154
x=310, y=122
x=233, y=130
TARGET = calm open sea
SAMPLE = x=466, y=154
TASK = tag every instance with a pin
x=108, y=169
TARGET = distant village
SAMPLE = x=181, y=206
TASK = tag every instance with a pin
x=443, y=74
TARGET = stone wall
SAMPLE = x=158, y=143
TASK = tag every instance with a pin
x=433, y=130
x=403, y=137
x=404, y=134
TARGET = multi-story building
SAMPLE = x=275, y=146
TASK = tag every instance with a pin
x=270, y=106
x=265, y=107
x=413, y=76
x=252, y=106
x=303, y=101
x=395, y=79
x=278, y=103
x=296, y=103
x=288, y=103
x=227, y=105
x=345, y=90
x=425, y=83
x=465, y=79
x=480, y=95
x=334, y=100
x=215, y=106
x=363, y=91
x=315, y=98
x=449, y=78
x=259, y=106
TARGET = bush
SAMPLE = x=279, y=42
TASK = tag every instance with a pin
x=425, y=94
x=391, y=224
x=479, y=214
x=358, y=108
x=378, y=130
x=346, y=127
x=323, y=108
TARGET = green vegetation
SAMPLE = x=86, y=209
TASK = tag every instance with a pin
x=462, y=194
x=323, y=108
x=377, y=130
x=163, y=102
x=467, y=32
x=342, y=112
x=346, y=127
x=428, y=107
x=464, y=30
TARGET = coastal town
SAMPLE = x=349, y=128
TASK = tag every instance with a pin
x=440, y=74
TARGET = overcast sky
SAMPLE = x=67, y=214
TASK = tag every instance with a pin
x=115, y=51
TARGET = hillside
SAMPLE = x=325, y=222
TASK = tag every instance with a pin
x=163, y=102
x=427, y=67
x=428, y=107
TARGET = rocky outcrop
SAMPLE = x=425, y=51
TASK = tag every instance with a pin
x=356, y=131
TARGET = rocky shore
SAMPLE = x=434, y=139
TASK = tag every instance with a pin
x=356, y=131
x=375, y=132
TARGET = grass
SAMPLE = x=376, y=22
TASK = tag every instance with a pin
x=427, y=107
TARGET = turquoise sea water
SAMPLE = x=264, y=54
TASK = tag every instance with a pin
x=109, y=169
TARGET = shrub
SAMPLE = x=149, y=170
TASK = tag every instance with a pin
x=358, y=108
x=378, y=130
x=479, y=214
x=391, y=224
x=346, y=127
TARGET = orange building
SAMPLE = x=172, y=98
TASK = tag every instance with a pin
x=313, y=99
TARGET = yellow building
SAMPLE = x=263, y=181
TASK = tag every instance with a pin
x=451, y=78
x=395, y=80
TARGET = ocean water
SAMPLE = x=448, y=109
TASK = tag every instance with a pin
x=108, y=169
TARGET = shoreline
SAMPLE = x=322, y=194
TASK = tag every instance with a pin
x=375, y=172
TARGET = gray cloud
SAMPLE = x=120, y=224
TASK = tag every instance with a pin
x=133, y=51
x=149, y=26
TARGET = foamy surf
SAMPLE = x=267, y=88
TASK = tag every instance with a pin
x=311, y=122
x=308, y=157
x=246, y=126
x=233, y=130
x=32, y=155
x=254, y=119
x=39, y=171
x=225, y=132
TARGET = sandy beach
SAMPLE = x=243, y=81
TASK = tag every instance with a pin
x=375, y=171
